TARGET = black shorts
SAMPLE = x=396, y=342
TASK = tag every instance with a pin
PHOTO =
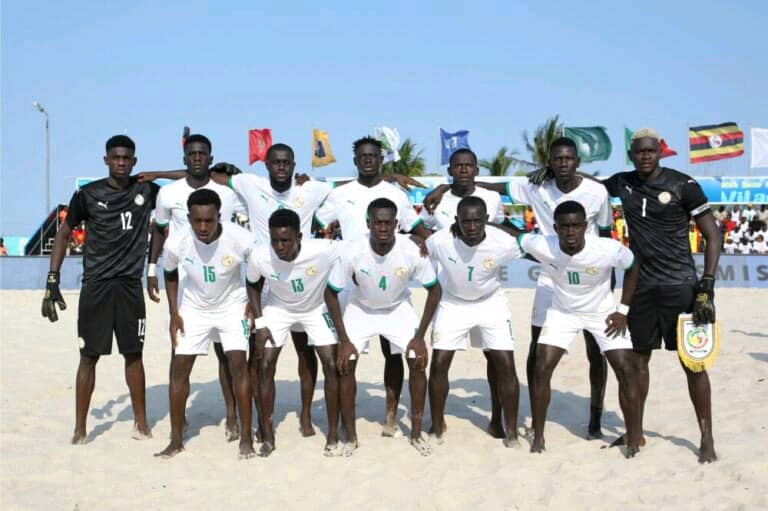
x=653, y=315
x=107, y=306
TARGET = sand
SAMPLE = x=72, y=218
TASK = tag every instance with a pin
x=41, y=470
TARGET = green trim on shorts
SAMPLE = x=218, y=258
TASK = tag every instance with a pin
x=511, y=199
x=520, y=241
x=632, y=264
x=416, y=223
x=323, y=225
x=430, y=285
x=334, y=288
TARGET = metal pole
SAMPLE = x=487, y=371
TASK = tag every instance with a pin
x=47, y=167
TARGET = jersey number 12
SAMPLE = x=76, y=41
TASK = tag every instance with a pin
x=126, y=219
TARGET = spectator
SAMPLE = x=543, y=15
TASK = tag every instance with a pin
x=744, y=247
x=736, y=213
x=3, y=248
x=762, y=216
x=720, y=214
x=728, y=224
x=760, y=246
x=694, y=238
x=529, y=219
x=749, y=213
x=729, y=247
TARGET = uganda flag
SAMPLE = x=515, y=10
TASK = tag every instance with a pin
x=715, y=142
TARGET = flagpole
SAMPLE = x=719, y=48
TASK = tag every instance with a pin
x=748, y=157
x=439, y=151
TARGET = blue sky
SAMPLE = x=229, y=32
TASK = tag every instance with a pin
x=149, y=68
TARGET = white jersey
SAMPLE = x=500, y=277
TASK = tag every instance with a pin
x=171, y=206
x=744, y=248
x=381, y=282
x=729, y=248
x=582, y=282
x=298, y=285
x=445, y=213
x=349, y=205
x=212, y=279
x=472, y=273
x=263, y=200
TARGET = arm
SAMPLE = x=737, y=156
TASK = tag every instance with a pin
x=500, y=188
x=417, y=345
x=150, y=176
x=346, y=350
x=617, y=321
x=52, y=295
x=403, y=181
x=261, y=333
x=433, y=198
x=704, y=305
x=421, y=231
x=171, y=291
x=156, y=247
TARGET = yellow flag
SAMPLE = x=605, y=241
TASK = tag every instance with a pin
x=321, y=149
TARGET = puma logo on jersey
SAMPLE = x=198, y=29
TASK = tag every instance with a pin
x=102, y=204
x=274, y=276
x=188, y=260
x=451, y=259
x=364, y=272
x=629, y=188
x=350, y=202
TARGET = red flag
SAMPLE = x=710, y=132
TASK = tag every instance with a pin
x=258, y=143
x=666, y=150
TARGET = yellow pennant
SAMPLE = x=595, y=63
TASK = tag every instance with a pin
x=697, y=345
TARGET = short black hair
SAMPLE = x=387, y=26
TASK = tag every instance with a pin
x=462, y=150
x=570, y=206
x=120, y=141
x=204, y=197
x=471, y=201
x=366, y=140
x=563, y=142
x=197, y=137
x=280, y=147
x=285, y=218
x=381, y=203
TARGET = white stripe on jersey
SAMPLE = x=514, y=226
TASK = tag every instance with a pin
x=171, y=205
x=445, y=212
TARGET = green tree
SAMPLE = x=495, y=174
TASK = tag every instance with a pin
x=411, y=162
x=543, y=137
x=501, y=163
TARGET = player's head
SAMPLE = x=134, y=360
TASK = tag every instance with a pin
x=645, y=150
x=204, y=206
x=570, y=225
x=198, y=155
x=462, y=167
x=285, y=233
x=368, y=156
x=563, y=158
x=120, y=156
x=471, y=217
x=280, y=163
x=382, y=220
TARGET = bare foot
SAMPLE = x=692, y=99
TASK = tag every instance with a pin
x=348, y=449
x=169, y=452
x=707, y=451
x=391, y=431
x=257, y=436
x=421, y=445
x=305, y=426
x=593, y=430
x=511, y=442
x=437, y=434
x=622, y=441
x=141, y=432
x=594, y=433
x=632, y=451
x=331, y=450
x=79, y=438
x=538, y=444
x=496, y=429
x=267, y=448
x=231, y=430
x=246, y=450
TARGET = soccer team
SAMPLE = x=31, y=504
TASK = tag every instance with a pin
x=248, y=291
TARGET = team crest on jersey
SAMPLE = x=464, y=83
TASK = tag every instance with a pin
x=311, y=271
x=139, y=200
x=591, y=270
x=227, y=261
x=401, y=271
x=435, y=336
x=81, y=342
x=489, y=263
x=665, y=197
x=298, y=202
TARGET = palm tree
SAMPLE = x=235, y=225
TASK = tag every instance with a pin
x=500, y=164
x=411, y=162
x=543, y=137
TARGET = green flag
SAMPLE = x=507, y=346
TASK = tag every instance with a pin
x=627, y=144
x=593, y=143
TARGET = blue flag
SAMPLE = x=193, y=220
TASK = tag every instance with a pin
x=449, y=142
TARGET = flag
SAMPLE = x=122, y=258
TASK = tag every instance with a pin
x=759, y=147
x=390, y=139
x=665, y=149
x=258, y=144
x=321, y=149
x=715, y=142
x=449, y=142
x=593, y=143
x=184, y=136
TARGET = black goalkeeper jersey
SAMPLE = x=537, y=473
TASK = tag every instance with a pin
x=117, y=227
x=658, y=213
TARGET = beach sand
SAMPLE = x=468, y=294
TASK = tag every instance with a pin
x=42, y=471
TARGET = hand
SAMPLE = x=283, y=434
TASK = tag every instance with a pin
x=248, y=314
x=419, y=241
x=260, y=338
x=153, y=289
x=419, y=347
x=433, y=198
x=52, y=297
x=226, y=168
x=345, y=352
x=704, y=303
x=537, y=177
x=403, y=181
x=617, y=324
x=177, y=325
x=145, y=177
x=301, y=178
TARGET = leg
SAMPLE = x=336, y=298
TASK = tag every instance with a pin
x=438, y=390
x=254, y=360
x=307, y=378
x=327, y=355
x=134, y=377
x=85, y=381
x=393, y=383
x=347, y=396
x=179, y=392
x=598, y=377
x=242, y=389
x=267, y=368
x=508, y=390
x=417, y=385
x=530, y=363
x=225, y=380
x=625, y=366
x=547, y=358
x=495, y=426
x=700, y=393
x=640, y=361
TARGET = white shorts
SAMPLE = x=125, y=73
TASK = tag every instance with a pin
x=264, y=293
x=542, y=301
x=398, y=325
x=490, y=317
x=316, y=323
x=201, y=327
x=561, y=327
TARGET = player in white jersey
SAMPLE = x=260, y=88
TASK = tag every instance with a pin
x=543, y=199
x=298, y=272
x=209, y=304
x=381, y=267
x=580, y=269
x=470, y=258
